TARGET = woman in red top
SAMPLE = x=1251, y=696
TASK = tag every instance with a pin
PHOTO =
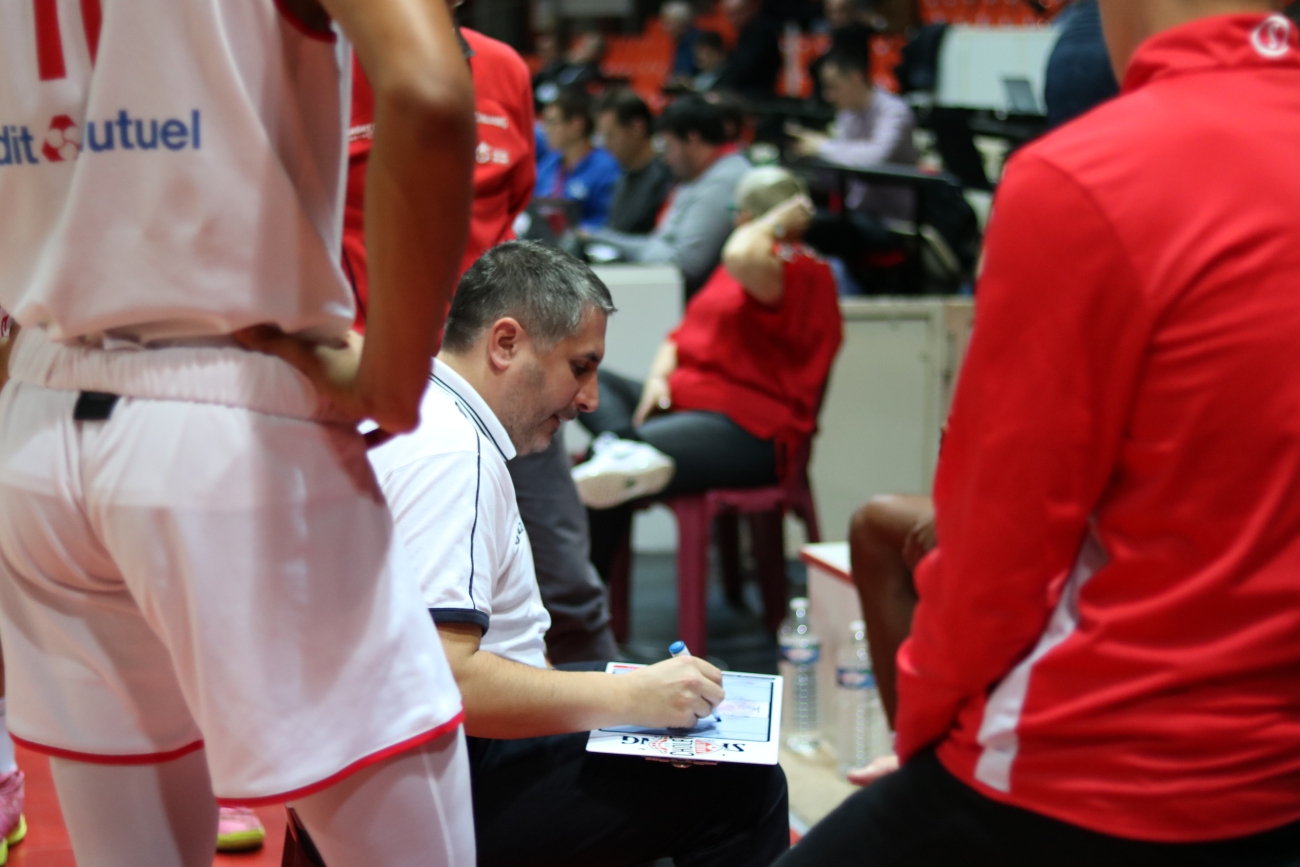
x=735, y=390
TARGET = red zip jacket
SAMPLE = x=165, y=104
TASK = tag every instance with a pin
x=1109, y=632
x=505, y=166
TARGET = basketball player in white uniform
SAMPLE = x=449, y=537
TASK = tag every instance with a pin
x=198, y=593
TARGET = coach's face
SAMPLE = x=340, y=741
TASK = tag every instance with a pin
x=551, y=385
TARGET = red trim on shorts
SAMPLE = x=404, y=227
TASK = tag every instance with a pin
x=361, y=764
x=301, y=26
x=106, y=759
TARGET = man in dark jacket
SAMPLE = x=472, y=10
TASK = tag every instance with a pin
x=756, y=62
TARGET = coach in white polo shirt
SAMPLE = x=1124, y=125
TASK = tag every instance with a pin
x=524, y=337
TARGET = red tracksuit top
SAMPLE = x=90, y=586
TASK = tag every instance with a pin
x=1109, y=631
x=505, y=163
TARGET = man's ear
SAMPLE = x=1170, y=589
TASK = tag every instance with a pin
x=504, y=341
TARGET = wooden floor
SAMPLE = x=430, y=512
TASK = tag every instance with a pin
x=47, y=841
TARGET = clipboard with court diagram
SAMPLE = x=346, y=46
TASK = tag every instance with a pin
x=744, y=729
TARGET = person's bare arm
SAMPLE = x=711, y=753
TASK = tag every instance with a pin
x=885, y=537
x=418, y=192
x=805, y=142
x=505, y=699
x=656, y=397
x=749, y=254
x=6, y=347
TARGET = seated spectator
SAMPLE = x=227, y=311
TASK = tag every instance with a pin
x=1079, y=75
x=710, y=60
x=626, y=124
x=756, y=61
x=852, y=26
x=678, y=19
x=573, y=168
x=523, y=341
x=577, y=69
x=733, y=113
x=549, y=56
x=872, y=126
x=735, y=390
x=692, y=231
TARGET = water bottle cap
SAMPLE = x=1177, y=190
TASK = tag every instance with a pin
x=857, y=626
x=798, y=602
x=676, y=647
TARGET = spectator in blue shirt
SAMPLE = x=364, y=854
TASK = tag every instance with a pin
x=573, y=168
x=678, y=19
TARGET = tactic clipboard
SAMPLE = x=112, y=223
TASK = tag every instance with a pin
x=745, y=729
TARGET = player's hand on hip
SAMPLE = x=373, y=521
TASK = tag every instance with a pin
x=332, y=370
x=674, y=693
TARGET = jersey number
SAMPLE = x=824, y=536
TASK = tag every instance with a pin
x=49, y=36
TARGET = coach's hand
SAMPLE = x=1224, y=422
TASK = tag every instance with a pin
x=674, y=693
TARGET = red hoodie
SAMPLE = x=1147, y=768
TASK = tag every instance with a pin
x=505, y=162
x=1109, y=632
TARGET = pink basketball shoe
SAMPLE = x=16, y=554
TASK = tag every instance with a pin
x=239, y=829
x=13, y=824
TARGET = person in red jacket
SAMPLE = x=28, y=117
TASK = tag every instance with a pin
x=1103, y=662
x=505, y=164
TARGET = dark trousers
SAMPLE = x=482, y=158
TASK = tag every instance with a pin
x=711, y=451
x=922, y=816
x=547, y=802
x=557, y=530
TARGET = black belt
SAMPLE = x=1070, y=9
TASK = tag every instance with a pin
x=94, y=406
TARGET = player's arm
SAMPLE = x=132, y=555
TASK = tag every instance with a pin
x=418, y=192
x=419, y=187
x=505, y=699
x=6, y=347
x=1036, y=426
x=749, y=253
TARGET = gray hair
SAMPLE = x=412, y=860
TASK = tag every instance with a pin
x=546, y=290
x=763, y=188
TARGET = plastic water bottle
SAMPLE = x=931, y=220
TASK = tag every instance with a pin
x=861, y=724
x=800, y=651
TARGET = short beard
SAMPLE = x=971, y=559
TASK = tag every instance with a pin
x=520, y=416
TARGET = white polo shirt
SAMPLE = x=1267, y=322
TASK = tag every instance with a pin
x=454, y=507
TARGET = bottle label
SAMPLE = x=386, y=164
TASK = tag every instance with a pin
x=801, y=655
x=855, y=678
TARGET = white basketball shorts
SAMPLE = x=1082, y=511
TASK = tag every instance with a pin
x=188, y=573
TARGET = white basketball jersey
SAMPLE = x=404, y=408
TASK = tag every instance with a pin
x=170, y=169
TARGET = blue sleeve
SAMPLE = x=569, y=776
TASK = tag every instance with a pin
x=547, y=168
